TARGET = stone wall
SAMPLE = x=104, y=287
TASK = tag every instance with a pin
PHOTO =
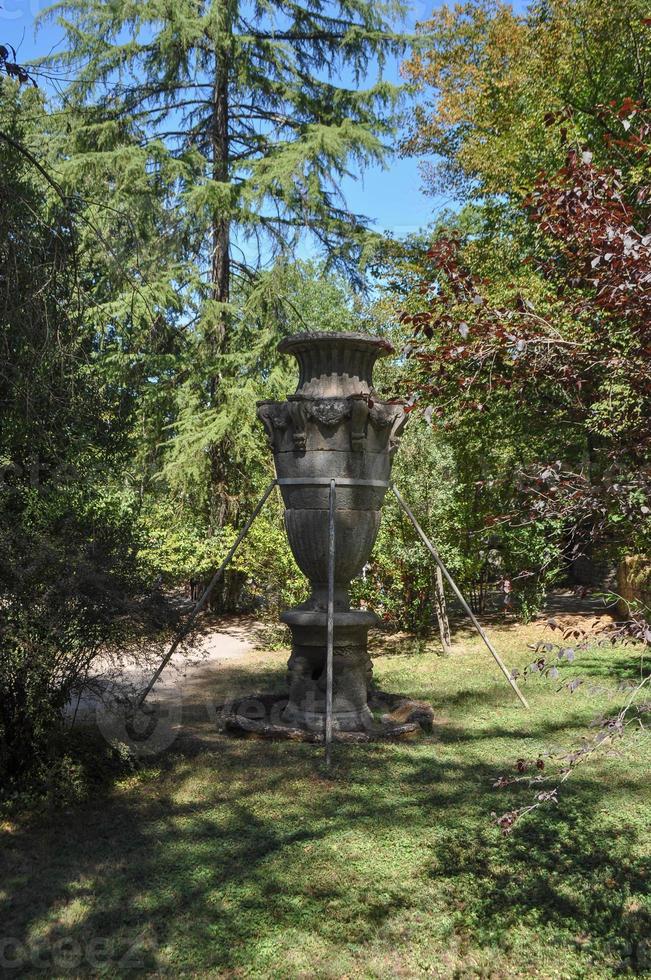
x=634, y=582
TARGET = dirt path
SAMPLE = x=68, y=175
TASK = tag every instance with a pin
x=223, y=661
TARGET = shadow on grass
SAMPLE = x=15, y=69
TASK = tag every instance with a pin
x=223, y=860
x=600, y=663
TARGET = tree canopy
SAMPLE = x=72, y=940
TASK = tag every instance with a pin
x=487, y=79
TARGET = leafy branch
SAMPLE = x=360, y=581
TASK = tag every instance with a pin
x=633, y=716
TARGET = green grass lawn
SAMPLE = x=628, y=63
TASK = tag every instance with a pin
x=243, y=858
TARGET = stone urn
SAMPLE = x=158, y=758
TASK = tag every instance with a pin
x=333, y=427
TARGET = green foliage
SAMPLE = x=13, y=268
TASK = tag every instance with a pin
x=176, y=545
x=456, y=482
x=557, y=381
x=65, y=523
x=488, y=78
x=81, y=763
x=273, y=578
x=488, y=442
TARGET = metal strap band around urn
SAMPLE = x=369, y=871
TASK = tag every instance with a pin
x=324, y=481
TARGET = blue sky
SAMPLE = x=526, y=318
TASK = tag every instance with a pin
x=393, y=197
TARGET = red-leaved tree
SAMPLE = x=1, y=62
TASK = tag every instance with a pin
x=584, y=355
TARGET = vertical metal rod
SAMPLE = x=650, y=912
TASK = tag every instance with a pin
x=185, y=629
x=330, y=639
x=437, y=558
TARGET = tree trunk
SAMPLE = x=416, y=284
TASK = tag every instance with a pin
x=442, y=612
x=220, y=281
x=221, y=505
x=221, y=222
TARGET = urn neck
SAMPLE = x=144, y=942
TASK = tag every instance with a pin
x=335, y=364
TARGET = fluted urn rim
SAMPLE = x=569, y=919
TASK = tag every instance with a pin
x=335, y=363
x=351, y=339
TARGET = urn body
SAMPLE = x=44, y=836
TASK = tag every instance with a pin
x=333, y=427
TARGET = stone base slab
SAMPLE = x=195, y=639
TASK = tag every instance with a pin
x=261, y=716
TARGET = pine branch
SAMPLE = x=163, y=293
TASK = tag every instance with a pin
x=34, y=162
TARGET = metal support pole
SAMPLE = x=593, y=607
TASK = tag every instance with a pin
x=437, y=558
x=330, y=639
x=183, y=632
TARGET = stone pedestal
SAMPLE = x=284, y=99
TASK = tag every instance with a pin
x=307, y=670
x=333, y=427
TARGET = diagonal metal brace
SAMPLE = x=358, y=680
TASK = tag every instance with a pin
x=201, y=604
x=437, y=558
